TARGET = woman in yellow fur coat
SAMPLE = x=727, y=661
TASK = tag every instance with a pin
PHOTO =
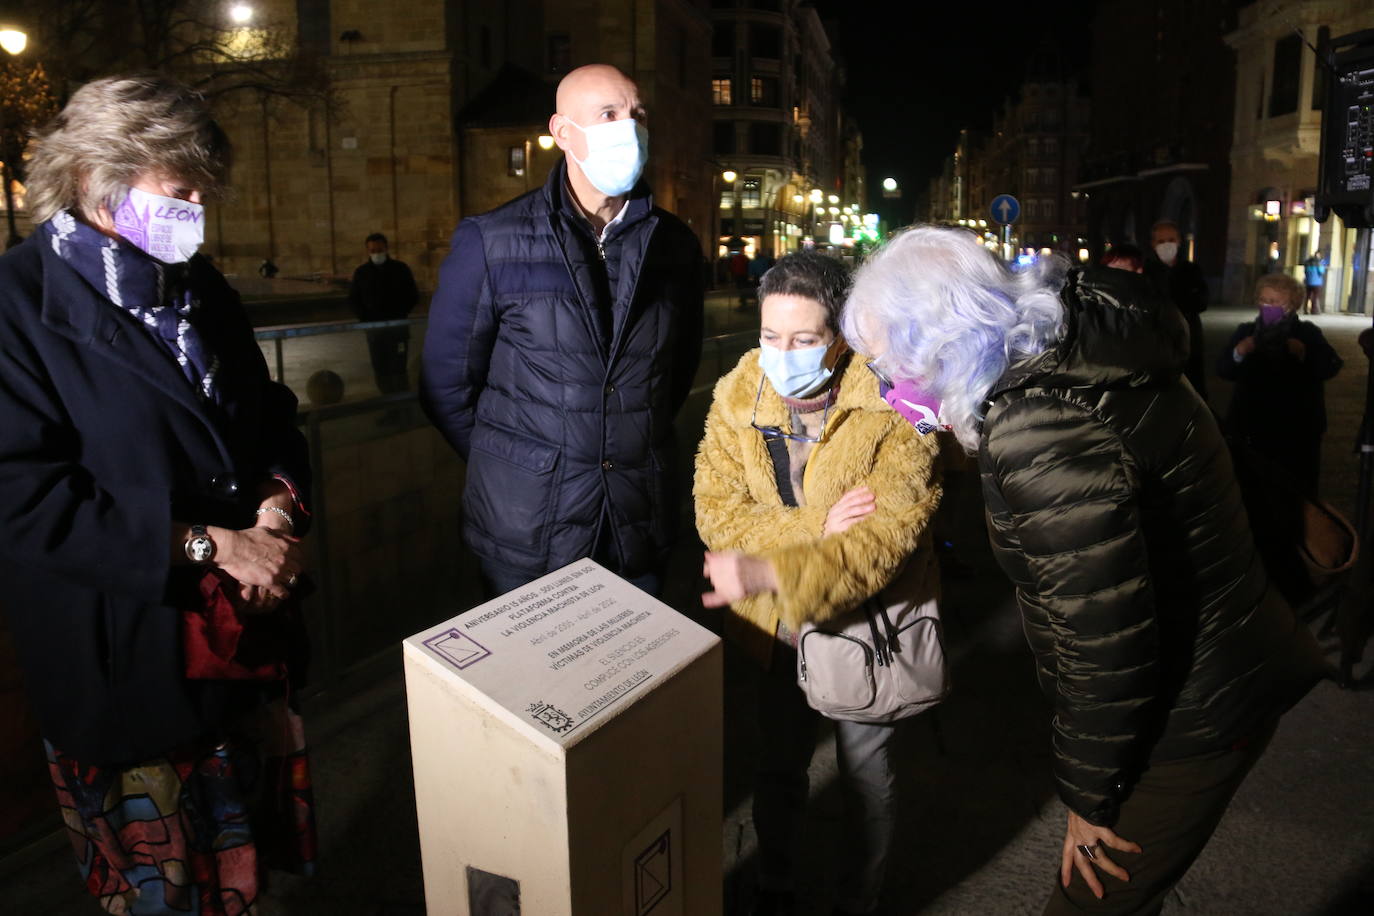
x=811, y=495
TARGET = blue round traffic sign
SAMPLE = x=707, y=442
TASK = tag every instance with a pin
x=1005, y=209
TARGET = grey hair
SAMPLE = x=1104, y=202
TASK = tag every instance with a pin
x=113, y=131
x=1284, y=284
x=945, y=312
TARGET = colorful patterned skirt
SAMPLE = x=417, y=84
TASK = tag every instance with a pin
x=194, y=830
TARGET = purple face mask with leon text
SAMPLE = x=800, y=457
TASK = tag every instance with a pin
x=917, y=406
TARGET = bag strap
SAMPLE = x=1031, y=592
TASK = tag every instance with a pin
x=880, y=645
x=782, y=469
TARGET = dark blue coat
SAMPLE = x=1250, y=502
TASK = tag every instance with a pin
x=559, y=396
x=103, y=443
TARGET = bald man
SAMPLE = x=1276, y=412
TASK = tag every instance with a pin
x=563, y=337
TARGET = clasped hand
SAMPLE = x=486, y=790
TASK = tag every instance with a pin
x=262, y=559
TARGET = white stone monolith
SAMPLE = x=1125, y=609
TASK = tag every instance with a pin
x=566, y=740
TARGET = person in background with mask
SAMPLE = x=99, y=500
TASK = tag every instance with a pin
x=1280, y=365
x=383, y=289
x=563, y=337
x=151, y=478
x=1181, y=282
x=804, y=470
x=1160, y=642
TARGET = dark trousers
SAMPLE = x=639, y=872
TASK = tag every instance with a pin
x=1171, y=813
x=389, y=349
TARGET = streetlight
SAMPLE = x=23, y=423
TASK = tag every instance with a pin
x=834, y=198
x=13, y=41
x=729, y=175
x=817, y=195
x=545, y=142
x=889, y=184
x=241, y=13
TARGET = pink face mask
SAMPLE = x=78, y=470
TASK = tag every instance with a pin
x=917, y=407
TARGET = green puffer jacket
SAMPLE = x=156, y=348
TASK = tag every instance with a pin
x=1113, y=507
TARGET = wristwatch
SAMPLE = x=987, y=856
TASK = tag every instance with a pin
x=200, y=547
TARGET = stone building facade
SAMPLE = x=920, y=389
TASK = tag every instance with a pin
x=779, y=128
x=1163, y=84
x=1275, y=142
x=1033, y=151
x=440, y=106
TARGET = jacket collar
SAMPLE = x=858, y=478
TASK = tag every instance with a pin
x=1118, y=333
x=71, y=308
x=640, y=202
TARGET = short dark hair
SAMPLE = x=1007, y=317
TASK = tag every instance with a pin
x=813, y=275
x=377, y=237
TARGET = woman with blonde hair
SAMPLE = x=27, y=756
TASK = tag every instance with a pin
x=812, y=496
x=151, y=484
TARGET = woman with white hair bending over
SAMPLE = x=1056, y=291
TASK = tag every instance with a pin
x=1113, y=508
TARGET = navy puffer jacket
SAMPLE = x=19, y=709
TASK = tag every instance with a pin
x=560, y=401
x=1113, y=507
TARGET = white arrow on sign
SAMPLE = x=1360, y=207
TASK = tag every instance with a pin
x=1003, y=209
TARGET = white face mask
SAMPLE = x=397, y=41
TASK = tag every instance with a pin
x=378, y=258
x=794, y=373
x=168, y=228
x=1167, y=251
x=616, y=153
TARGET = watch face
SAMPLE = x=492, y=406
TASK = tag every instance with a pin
x=200, y=549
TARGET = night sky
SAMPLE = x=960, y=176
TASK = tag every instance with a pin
x=920, y=71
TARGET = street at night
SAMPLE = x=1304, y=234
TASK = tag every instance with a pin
x=687, y=458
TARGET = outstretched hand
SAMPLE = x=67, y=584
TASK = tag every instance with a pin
x=1097, y=839
x=735, y=576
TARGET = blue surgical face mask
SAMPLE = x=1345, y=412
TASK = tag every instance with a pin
x=795, y=373
x=616, y=153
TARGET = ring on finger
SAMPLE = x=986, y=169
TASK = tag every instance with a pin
x=1089, y=851
x=291, y=582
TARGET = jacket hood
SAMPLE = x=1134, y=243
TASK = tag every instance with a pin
x=1118, y=333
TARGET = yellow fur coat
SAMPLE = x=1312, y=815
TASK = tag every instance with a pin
x=738, y=507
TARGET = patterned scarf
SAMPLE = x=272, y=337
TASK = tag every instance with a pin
x=154, y=293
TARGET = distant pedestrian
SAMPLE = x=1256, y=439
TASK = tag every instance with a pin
x=1280, y=365
x=1181, y=281
x=268, y=270
x=1314, y=276
x=1161, y=644
x=563, y=338
x=383, y=289
x=739, y=272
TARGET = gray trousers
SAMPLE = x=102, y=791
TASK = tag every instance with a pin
x=868, y=786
